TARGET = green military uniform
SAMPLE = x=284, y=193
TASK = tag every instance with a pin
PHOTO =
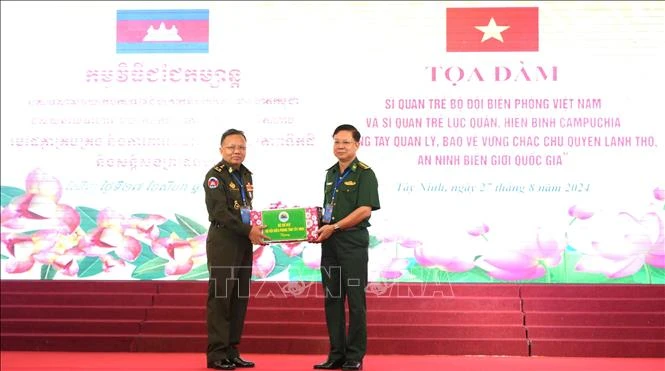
x=229, y=252
x=344, y=259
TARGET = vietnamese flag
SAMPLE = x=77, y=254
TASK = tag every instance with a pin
x=492, y=29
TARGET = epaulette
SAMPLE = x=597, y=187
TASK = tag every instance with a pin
x=219, y=167
x=363, y=165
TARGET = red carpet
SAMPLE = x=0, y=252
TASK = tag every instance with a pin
x=57, y=361
x=287, y=318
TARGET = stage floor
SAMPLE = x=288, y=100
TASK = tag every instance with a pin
x=76, y=361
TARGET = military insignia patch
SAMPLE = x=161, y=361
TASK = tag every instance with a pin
x=213, y=182
x=232, y=186
x=349, y=183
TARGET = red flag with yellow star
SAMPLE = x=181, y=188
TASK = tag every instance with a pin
x=492, y=29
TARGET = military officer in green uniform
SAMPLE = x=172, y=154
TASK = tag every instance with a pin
x=228, y=196
x=351, y=194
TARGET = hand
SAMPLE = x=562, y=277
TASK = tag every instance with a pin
x=256, y=235
x=325, y=232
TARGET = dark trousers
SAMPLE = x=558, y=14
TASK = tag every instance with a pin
x=230, y=269
x=344, y=275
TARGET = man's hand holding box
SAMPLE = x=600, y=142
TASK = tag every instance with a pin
x=288, y=225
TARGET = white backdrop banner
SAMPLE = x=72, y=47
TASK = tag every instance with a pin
x=513, y=141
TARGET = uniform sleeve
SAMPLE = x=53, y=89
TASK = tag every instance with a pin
x=368, y=191
x=219, y=209
x=326, y=190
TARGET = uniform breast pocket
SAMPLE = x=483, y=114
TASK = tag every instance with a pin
x=348, y=192
x=236, y=198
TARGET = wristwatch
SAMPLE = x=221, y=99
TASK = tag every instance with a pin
x=336, y=227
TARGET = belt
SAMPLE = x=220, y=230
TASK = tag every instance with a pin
x=349, y=229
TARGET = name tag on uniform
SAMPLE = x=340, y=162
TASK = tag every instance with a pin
x=327, y=213
x=244, y=214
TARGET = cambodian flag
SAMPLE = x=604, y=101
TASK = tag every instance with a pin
x=162, y=31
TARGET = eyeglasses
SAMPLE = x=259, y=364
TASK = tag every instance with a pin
x=234, y=148
x=344, y=143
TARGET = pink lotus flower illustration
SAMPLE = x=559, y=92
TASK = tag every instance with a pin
x=384, y=264
x=23, y=251
x=40, y=208
x=394, y=269
x=519, y=258
x=620, y=245
x=659, y=193
x=43, y=237
x=181, y=254
x=479, y=230
x=109, y=263
x=580, y=213
x=387, y=260
x=400, y=240
x=66, y=264
x=120, y=234
x=311, y=256
x=450, y=259
x=455, y=252
x=45, y=247
x=292, y=249
x=263, y=261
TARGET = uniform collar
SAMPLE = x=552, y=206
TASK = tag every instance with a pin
x=353, y=166
x=228, y=168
